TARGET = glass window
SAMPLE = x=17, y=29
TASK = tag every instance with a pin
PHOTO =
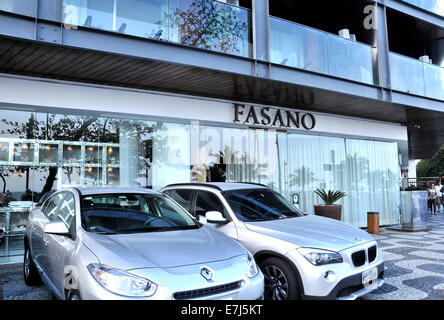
x=181, y=196
x=50, y=207
x=72, y=153
x=322, y=164
x=171, y=154
x=67, y=210
x=133, y=213
x=260, y=205
x=24, y=152
x=48, y=153
x=207, y=201
x=4, y=150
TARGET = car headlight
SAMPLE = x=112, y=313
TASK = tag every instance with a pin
x=122, y=282
x=252, y=269
x=320, y=257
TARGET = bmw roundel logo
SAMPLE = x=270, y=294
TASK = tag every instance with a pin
x=207, y=273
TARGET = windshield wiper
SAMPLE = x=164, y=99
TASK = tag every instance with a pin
x=103, y=232
x=260, y=219
x=157, y=229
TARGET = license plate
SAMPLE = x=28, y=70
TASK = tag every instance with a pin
x=369, y=275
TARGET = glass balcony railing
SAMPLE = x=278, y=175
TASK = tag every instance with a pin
x=435, y=6
x=416, y=77
x=305, y=48
x=23, y=7
x=205, y=24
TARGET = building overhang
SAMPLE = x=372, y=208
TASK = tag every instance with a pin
x=236, y=81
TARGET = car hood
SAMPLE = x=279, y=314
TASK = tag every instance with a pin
x=313, y=232
x=162, y=249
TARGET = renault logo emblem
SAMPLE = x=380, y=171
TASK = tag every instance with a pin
x=207, y=273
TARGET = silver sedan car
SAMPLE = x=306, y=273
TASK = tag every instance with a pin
x=119, y=243
x=301, y=256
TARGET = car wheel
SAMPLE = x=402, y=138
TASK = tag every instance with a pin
x=30, y=271
x=73, y=295
x=280, y=280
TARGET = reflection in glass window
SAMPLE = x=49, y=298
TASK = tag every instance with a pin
x=51, y=206
x=24, y=152
x=66, y=211
x=93, y=176
x=4, y=150
x=71, y=176
x=112, y=176
x=48, y=153
x=72, y=154
x=92, y=154
x=171, y=154
x=112, y=155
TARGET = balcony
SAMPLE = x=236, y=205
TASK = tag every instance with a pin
x=434, y=6
x=302, y=47
x=416, y=77
x=203, y=24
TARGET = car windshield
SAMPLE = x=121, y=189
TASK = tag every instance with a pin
x=133, y=213
x=260, y=205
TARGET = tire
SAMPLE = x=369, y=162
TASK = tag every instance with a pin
x=73, y=295
x=30, y=272
x=280, y=280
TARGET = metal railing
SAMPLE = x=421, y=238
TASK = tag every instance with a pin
x=416, y=77
x=303, y=47
x=423, y=182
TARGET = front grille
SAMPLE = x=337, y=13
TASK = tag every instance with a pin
x=371, y=254
x=205, y=292
x=358, y=258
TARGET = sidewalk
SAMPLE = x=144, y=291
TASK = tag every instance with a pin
x=414, y=268
x=414, y=263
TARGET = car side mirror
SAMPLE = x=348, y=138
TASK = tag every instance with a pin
x=215, y=217
x=57, y=228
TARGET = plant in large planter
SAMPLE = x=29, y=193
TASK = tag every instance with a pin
x=330, y=209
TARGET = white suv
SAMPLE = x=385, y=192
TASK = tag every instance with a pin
x=301, y=256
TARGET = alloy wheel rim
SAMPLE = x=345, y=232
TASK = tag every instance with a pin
x=276, y=284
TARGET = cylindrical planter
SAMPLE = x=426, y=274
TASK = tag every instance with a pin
x=332, y=211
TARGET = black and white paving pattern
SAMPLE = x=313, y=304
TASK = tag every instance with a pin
x=414, y=263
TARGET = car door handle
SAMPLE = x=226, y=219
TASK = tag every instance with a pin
x=45, y=241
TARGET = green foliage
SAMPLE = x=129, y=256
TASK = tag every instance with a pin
x=433, y=167
x=330, y=197
x=207, y=24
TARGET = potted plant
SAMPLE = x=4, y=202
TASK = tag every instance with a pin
x=329, y=209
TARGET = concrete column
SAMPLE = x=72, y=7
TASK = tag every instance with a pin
x=261, y=38
x=382, y=44
x=128, y=152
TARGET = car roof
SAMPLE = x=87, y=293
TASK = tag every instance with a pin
x=221, y=186
x=109, y=190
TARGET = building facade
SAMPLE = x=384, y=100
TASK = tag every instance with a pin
x=297, y=96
